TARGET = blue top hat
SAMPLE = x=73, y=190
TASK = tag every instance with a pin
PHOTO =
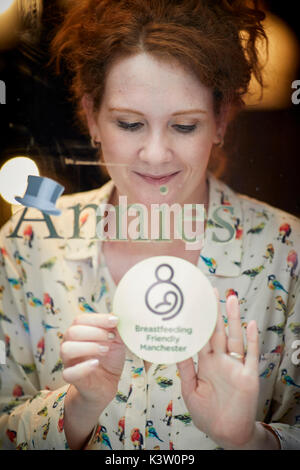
x=42, y=194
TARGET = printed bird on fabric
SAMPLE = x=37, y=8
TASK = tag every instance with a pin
x=292, y=261
x=210, y=263
x=79, y=275
x=121, y=428
x=43, y=411
x=159, y=367
x=280, y=304
x=32, y=300
x=24, y=275
x=49, y=263
x=274, y=284
x=48, y=327
x=58, y=366
x=45, y=427
x=49, y=303
x=224, y=201
x=238, y=228
x=22, y=446
x=136, y=371
x=121, y=397
x=15, y=283
x=258, y=229
x=279, y=329
x=104, y=439
x=7, y=345
x=60, y=422
x=28, y=235
x=169, y=411
x=17, y=391
x=137, y=438
x=269, y=252
x=60, y=336
x=11, y=405
x=65, y=286
x=38, y=394
x=84, y=306
x=4, y=317
x=40, y=350
x=268, y=371
x=24, y=323
x=103, y=289
x=19, y=258
x=3, y=253
x=262, y=213
x=28, y=368
x=186, y=418
x=295, y=328
x=12, y=435
x=279, y=349
x=287, y=380
x=59, y=399
x=164, y=382
x=151, y=431
x=284, y=232
x=252, y=273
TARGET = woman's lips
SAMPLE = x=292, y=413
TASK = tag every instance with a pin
x=157, y=180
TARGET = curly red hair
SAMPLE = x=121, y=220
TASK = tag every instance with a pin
x=216, y=40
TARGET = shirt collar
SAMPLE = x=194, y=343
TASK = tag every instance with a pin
x=222, y=250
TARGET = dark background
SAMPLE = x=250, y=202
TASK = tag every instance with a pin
x=261, y=148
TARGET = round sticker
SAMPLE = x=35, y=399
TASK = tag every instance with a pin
x=167, y=309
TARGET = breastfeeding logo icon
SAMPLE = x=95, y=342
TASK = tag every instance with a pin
x=167, y=309
x=164, y=297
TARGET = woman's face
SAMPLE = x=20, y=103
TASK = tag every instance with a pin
x=157, y=121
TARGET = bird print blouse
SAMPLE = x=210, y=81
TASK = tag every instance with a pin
x=52, y=269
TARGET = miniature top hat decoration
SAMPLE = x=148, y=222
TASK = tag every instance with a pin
x=42, y=194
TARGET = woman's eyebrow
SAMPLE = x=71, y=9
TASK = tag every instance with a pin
x=133, y=111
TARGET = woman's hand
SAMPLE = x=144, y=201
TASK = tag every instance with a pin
x=222, y=395
x=93, y=355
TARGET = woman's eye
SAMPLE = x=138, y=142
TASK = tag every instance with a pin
x=185, y=129
x=134, y=126
x=131, y=126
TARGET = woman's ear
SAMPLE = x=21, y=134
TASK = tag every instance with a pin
x=222, y=121
x=87, y=104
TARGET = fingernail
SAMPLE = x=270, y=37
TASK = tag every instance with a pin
x=113, y=319
x=111, y=335
x=103, y=348
x=94, y=362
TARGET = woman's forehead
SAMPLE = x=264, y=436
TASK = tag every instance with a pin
x=143, y=77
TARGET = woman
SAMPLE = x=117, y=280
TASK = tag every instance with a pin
x=155, y=82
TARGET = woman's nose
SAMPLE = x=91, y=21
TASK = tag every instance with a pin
x=156, y=149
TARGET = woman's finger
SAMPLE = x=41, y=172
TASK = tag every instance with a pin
x=188, y=376
x=70, y=350
x=102, y=320
x=80, y=370
x=235, y=341
x=252, y=356
x=219, y=338
x=88, y=333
